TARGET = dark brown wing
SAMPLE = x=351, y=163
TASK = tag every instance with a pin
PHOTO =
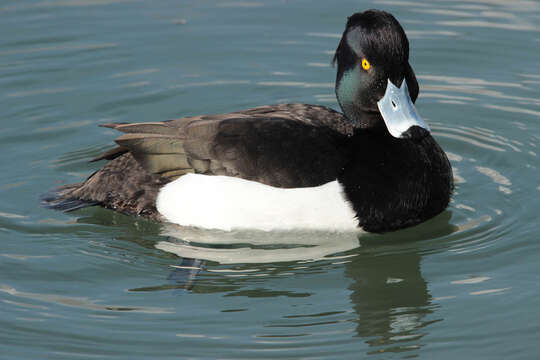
x=288, y=145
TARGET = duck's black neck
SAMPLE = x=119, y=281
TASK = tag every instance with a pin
x=395, y=183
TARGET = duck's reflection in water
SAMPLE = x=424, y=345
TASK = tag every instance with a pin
x=389, y=296
x=195, y=246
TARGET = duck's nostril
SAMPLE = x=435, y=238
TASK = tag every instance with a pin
x=394, y=105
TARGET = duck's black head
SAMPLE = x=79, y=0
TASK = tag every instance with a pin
x=372, y=62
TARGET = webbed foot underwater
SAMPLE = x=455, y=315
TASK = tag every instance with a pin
x=374, y=167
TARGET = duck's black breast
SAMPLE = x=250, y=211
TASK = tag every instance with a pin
x=395, y=183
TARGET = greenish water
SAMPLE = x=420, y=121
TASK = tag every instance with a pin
x=95, y=284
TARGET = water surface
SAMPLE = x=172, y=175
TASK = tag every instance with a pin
x=96, y=284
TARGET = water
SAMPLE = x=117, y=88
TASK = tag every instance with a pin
x=95, y=284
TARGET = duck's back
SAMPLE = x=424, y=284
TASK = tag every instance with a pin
x=285, y=146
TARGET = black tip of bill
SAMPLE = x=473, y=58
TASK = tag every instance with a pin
x=415, y=133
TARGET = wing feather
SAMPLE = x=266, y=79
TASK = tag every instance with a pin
x=286, y=145
x=151, y=143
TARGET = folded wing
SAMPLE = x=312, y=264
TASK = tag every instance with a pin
x=288, y=145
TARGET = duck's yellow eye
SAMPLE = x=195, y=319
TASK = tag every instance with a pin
x=365, y=64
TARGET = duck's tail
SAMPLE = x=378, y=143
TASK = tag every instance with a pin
x=61, y=198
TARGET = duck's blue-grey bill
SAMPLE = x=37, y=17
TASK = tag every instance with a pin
x=398, y=111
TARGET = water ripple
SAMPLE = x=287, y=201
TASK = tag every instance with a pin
x=80, y=302
x=524, y=26
x=58, y=48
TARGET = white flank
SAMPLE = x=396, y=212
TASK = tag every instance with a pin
x=227, y=203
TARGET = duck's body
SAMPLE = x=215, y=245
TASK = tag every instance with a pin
x=374, y=180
